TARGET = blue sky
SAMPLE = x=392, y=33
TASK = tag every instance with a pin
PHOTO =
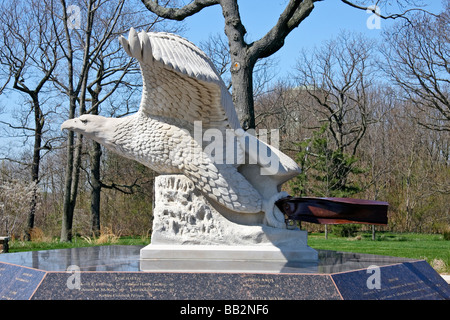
x=326, y=21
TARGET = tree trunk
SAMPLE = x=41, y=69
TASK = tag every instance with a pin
x=241, y=65
x=39, y=124
x=66, y=228
x=70, y=179
x=95, y=156
x=71, y=186
x=242, y=79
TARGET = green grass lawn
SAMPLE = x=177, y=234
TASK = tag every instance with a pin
x=19, y=246
x=431, y=247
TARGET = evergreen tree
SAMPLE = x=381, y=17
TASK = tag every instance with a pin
x=326, y=171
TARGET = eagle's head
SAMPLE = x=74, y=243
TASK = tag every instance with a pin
x=97, y=128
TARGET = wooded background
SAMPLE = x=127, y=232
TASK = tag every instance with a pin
x=363, y=119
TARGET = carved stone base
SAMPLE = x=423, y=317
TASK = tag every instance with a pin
x=188, y=226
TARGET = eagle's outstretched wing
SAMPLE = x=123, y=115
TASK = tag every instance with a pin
x=181, y=86
x=180, y=82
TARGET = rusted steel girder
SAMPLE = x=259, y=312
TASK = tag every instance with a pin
x=334, y=210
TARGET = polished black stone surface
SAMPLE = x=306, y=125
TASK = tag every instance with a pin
x=100, y=258
x=126, y=258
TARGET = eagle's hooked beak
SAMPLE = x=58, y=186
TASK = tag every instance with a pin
x=70, y=124
x=84, y=123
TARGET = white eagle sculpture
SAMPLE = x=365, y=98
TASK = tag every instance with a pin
x=182, y=89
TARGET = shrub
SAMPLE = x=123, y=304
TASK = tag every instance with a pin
x=446, y=234
x=439, y=265
x=346, y=230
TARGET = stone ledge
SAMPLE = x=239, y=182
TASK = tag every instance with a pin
x=248, y=253
x=210, y=257
x=446, y=277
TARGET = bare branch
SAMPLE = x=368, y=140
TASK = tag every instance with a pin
x=393, y=16
x=178, y=13
x=122, y=187
x=296, y=11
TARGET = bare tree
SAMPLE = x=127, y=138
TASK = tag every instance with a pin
x=416, y=58
x=81, y=47
x=338, y=77
x=29, y=55
x=418, y=175
x=282, y=107
x=216, y=48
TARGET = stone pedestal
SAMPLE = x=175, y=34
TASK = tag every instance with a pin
x=189, y=227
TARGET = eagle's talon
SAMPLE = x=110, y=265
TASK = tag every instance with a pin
x=273, y=216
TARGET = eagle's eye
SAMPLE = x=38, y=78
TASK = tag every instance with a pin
x=84, y=121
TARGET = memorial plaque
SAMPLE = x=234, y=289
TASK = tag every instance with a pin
x=406, y=281
x=186, y=286
x=18, y=283
x=430, y=277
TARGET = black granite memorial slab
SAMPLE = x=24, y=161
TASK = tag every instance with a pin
x=187, y=286
x=405, y=281
x=113, y=273
x=18, y=283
